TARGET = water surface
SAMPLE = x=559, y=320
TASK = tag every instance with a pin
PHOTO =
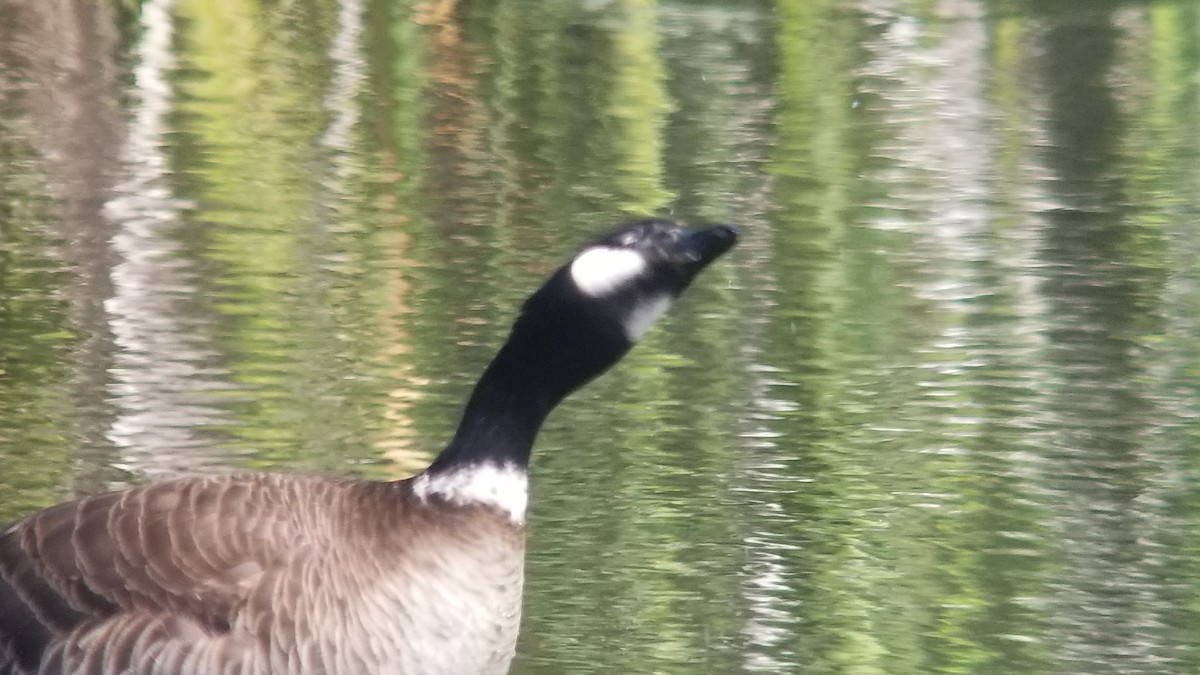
x=938, y=413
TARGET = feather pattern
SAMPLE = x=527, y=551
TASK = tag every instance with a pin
x=260, y=574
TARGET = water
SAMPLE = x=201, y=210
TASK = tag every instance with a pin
x=938, y=413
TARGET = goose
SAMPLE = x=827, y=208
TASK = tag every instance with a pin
x=272, y=574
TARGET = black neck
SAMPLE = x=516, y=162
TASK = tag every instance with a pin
x=500, y=422
x=552, y=351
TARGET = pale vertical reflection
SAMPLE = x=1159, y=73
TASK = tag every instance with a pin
x=769, y=623
x=940, y=157
x=341, y=100
x=939, y=146
x=163, y=363
x=342, y=107
x=973, y=274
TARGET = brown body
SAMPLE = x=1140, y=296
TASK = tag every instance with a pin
x=261, y=574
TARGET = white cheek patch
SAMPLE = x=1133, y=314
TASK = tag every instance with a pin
x=645, y=315
x=504, y=487
x=600, y=270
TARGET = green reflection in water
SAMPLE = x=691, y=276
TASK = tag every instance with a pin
x=937, y=414
x=638, y=106
x=1170, y=155
x=281, y=219
x=35, y=342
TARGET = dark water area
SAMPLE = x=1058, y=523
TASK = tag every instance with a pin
x=938, y=413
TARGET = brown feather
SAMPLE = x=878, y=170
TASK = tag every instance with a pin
x=195, y=576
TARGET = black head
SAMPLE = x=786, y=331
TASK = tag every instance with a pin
x=646, y=259
x=594, y=308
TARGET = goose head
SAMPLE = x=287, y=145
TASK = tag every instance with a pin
x=608, y=295
x=582, y=320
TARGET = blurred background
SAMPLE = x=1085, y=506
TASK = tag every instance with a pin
x=938, y=413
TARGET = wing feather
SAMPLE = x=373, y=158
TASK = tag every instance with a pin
x=116, y=564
